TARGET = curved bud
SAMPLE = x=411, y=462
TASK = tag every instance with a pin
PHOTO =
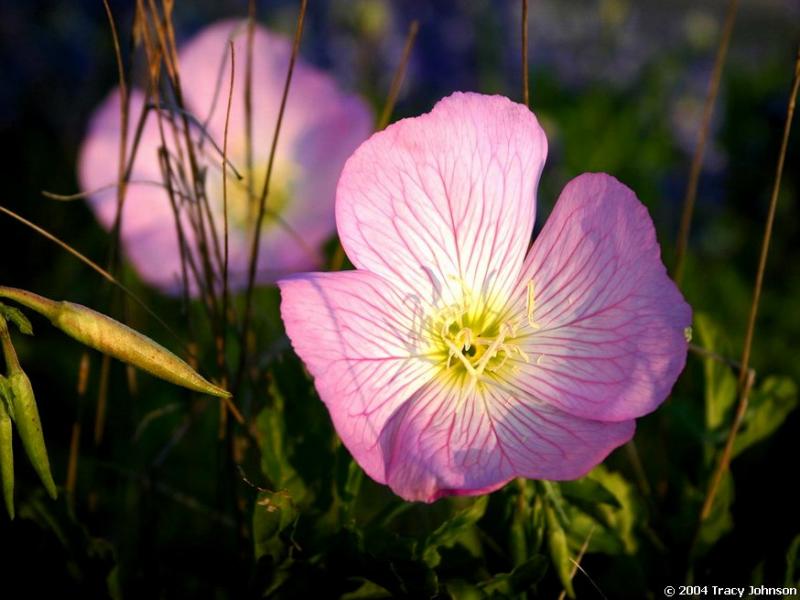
x=22, y=403
x=6, y=452
x=111, y=337
x=26, y=418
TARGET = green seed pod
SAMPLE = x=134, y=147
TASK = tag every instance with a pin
x=111, y=337
x=6, y=455
x=26, y=418
x=559, y=552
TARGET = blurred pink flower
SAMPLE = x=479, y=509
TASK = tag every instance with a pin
x=449, y=360
x=322, y=126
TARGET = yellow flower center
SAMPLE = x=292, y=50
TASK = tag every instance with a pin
x=469, y=336
x=243, y=207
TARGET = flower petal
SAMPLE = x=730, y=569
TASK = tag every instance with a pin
x=148, y=224
x=322, y=125
x=453, y=439
x=447, y=199
x=356, y=334
x=610, y=341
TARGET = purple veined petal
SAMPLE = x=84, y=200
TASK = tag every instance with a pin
x=447, y=199
x=608, y=340
x=322, y=125
x=359, y=337
x=148, y=232
x=453, y=439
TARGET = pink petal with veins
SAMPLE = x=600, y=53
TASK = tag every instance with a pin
x=445, y=199
x=611, y=339
x=450, y=440
x=355, y=333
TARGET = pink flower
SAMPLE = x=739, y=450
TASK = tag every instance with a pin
x=321, y=128
x=451, y=361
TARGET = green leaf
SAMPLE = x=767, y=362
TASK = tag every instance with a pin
x=6, y=451
x=448, y=532
x=538, y=525
x=720, y=519
x=308, y=430
x=588, y=490
x=458, y=589
x=721, y=385
x=17, y=317
x=113, y=584
x=274, y=517
x=768, y=408
x=614, y=525
x=793, y=564
x=559, y=552
x=275, y=447
x=349, y=477
x=518, y=581
x=552, y=492
x=368, y=590
x=29, y=427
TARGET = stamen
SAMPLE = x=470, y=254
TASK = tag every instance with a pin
x=492, y=350
x=475, y=340
x=531, y=305
x=456, y=351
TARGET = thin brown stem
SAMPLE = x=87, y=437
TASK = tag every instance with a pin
x=248, y=108
x=225, y=257
x=262, y=201
x=641, y=477
x=123, y=140
x=95, y=267
x=75, y=437
x=702, y=136
x=222, y=338
x=399, y=75
x=122, y=187
x=725, y=457
x=208, y=246
x=705, y=353
x=746, y=374
x=577, y=562
x=102, y=400
x=525, y=87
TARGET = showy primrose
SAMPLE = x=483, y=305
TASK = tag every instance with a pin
x=321, y=127
x=454, y=358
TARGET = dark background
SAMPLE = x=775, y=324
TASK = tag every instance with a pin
x=619, y=87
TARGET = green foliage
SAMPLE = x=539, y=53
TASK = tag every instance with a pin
x=17, y=317
x=720, y=519
x=720, y=382
x=6, y=449
x=793, y=564
x=769, y=405
x=559, y=552
x=606, y=513
x=459, y=526
x=19, y=405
